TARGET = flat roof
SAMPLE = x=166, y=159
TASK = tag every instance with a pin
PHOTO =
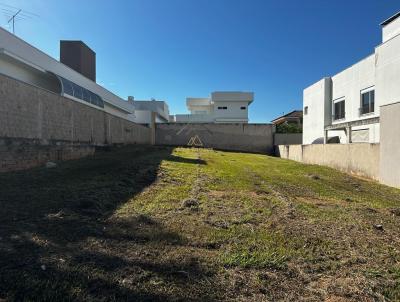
x=389, y=20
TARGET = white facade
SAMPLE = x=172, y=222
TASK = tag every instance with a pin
x=374, y=80
x=221, y=107
x=22, y=61
x=144, y=109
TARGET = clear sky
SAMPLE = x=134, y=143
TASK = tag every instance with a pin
x=172, y=49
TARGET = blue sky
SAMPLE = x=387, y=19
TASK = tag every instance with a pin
x=171, y=49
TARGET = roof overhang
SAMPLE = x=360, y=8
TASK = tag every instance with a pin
x=21, y=60
x=389, y=20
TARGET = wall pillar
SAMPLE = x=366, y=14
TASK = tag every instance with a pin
x=389, y=163
x=153, y=128
x=348, y=134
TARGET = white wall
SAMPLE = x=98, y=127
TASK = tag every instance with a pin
x=349, y=83
x=142, y=116
x=390, y=30
x=317, y=98
x=27, y=74
x=219, y=96
x=233, y=111
x=160, y=107
x=388, y=72
x=206, y=109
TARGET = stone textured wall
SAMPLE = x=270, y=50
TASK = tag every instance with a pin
x=36, y=117
x=361, y=159
x=20, y=154
x=235, y=137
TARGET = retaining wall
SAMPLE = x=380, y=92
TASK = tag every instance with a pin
x=39, y=120
x=236, y=137
x=361, y=159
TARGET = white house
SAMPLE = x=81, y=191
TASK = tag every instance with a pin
x=345, y=107
x=221, y=107
x=144, y=109
x=24, y=62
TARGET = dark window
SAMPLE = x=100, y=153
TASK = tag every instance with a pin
x=67, y=86
x=222, y=108
x=81, y=93
x=368, y=102
x=78, y=92
x=86, y=95
x=306, y=110
x=339, y=110
x=243, y=108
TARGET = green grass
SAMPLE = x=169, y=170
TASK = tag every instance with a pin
x=116, y=227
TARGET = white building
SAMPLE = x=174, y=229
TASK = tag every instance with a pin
x=25, y=63
x=144, y=109
x=221, y=107
x=346, y=107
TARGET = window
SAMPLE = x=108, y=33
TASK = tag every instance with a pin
x=368, y=102
x=81, y=93
x=306, y=110
x=243, y=108
x=222, y=108
x=339, y=112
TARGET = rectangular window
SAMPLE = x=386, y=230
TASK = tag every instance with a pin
x=222, y=108
x=243, y=108
x=368, y=102
x=306, y=110
x=339, y=110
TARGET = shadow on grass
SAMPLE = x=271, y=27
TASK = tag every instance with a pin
x=58, y=242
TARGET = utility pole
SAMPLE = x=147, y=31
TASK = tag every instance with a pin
x=13, y=20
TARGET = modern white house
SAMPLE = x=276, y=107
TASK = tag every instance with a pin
x=346, y=107
x=145, y=109
x=24, y=62
x=221, y=107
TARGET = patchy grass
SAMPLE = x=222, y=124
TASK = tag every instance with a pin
x=161, y=224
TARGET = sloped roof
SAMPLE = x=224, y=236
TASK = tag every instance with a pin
x=294, y=113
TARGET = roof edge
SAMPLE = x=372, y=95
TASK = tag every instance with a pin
x=390, y=19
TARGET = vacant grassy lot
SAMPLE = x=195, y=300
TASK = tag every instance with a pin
x=161, y=224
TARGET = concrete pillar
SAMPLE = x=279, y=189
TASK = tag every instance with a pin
x=348, y=134
x=389, y=163
x=153, y=128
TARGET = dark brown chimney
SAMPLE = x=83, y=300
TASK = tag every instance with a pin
x=79, y=57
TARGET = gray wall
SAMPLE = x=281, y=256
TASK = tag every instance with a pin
x=37, y=125
x=288, y=138
x=361, y=159
x=29, y=112
x=235, y=137
x=390, y=145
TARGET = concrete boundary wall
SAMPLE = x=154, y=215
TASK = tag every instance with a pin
x=37, y=118
x=361, y=159
x=288, y=138
x=256, y=138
